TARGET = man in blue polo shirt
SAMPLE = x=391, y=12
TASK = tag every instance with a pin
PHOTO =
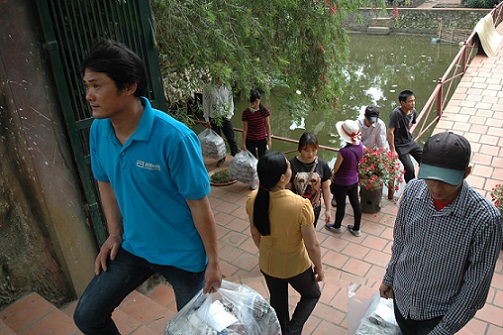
x=153, y=187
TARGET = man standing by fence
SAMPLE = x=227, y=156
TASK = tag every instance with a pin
x=400, y=139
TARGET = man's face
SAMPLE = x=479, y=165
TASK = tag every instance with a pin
x=441, y=191
x=409, y=104
x=102, y=94
x=367, y=122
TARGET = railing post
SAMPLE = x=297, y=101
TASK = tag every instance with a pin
x=440, y=97
x=463, y=57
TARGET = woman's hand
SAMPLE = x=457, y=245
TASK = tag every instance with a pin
x=319, y=274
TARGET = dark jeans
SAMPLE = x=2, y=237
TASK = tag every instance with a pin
x=228, y=131
x=107, y=290
x=413, y=327
x=340, y=197
x=254, y=145
x=310, y=293
x=415, y=151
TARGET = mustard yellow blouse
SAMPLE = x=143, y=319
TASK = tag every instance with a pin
x=283, y=253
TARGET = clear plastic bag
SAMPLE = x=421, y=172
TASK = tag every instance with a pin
x=370, y=315
x=234, y=309
x=212, y=144
x=243, y=167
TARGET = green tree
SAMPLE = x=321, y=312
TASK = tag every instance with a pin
x=258, y=44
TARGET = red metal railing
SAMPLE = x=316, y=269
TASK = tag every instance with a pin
x=449, y=81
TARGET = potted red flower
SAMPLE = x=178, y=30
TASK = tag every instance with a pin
x=378, y=167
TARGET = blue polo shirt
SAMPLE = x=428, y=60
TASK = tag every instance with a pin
x=152, y=174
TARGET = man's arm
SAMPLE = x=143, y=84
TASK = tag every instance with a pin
x=476, y=280
x=391, y=140
x=115, y=229
x=204, y=221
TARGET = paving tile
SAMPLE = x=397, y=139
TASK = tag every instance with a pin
x=25, y=312
x=143, y=309
x=162, y=294
x=54, y=323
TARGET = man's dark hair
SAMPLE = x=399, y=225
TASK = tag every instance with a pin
x=404, y=95
x=118, y=62
x=372, y=111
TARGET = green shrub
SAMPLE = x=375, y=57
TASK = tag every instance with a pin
x=480, y=3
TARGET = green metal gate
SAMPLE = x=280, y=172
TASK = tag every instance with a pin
x=70, y=28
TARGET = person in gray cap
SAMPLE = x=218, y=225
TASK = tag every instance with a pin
x=446, y=242
x=373, y=129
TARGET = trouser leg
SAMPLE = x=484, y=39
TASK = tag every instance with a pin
x=305, y=283
x=228, y=131
x=93, y=314
x=278, y=297
x=408, y=166
x=185, y=284
x=340, y=197
x=355, y=203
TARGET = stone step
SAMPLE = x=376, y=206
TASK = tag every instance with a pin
x=378, y=30
x=138, y=314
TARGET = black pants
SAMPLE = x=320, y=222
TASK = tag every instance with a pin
x=228, y=131
x=304, y=283
x=415, y=151
x=340, y=197
x=254, y=145
x=415, y=327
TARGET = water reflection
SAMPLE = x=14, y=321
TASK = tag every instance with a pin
x=380, y=67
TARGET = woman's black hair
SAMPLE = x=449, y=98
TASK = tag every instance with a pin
x=270, y=168
x=254, y=95
x=308, y=139
x=119, y=63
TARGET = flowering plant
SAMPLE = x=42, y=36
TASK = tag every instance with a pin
x=497, y=197
x=379, y=167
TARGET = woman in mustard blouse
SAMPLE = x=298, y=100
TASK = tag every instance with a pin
x=281, y=224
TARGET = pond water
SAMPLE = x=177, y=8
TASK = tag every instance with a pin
x=380, y=68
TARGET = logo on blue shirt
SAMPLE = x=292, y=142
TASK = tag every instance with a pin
x=148, y=166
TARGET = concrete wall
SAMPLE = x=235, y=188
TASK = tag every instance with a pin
x=45, y=243
x=418, y=21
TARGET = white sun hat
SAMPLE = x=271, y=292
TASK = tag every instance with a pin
x=349, y=131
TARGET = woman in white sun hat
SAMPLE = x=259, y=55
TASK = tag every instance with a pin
x=345, y=176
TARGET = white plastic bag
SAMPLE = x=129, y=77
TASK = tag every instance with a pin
x=234, y=309
x=370, y=315
x=212, y=144
x=243, y=167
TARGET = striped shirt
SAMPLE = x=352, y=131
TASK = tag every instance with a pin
x=443, y=261
x=256, y=123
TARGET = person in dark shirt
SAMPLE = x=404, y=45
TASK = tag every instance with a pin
x=256, y=127
x=400, y=139
x=345, y=177
x=311, y=176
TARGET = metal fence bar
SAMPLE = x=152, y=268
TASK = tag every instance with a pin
x=441, y=94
